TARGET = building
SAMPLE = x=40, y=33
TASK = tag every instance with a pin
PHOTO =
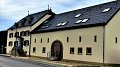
x=90, y=34
x=3, y=42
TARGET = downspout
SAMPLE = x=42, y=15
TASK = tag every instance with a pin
x=104, y=46
x=30, y=43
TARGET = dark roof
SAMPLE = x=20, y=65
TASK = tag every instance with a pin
x=94, y=15
x=31, y=19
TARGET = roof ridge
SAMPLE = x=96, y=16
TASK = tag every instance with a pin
x=87, y=7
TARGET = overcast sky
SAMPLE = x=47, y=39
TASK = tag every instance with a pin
x=12, y=11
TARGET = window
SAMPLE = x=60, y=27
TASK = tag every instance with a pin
x=71, y=50
x=62, y=24
x=16, y=43
x=11, y=35
x=59, y=24
x=84, y=20
x=80, y=51
x=78, y=15
x=95, y=38
x=67, y=39
x=48, y=40
x=34, y=49
x=44, y=27
x=35, y=41
x=22, y=33
x=10, y=43
x=116, y=40
x=43, y=50
x=26, y=43
x=106, y=10
x=17, y=34
x=79, y=21
x=79, y=38
x=41, y=40
x=88, y=51
x=25, y=52
x=27, y=33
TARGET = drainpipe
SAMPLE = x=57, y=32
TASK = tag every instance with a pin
x=30, y=43
x=16, y=38
x=104, y=46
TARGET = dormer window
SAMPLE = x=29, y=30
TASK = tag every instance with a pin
x=106, y=10
x=78, y=15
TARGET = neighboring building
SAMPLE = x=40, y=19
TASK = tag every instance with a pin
x=23, y=29
x=3, y=42
x=90, y=34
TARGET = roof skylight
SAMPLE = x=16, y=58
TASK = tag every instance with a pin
x=106, y=10
x=78, y=15
x=84, y=20
x=44, y=26
x=81, y=21
x=59, y=24
x=62, y=24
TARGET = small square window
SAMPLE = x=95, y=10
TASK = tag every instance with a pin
x=78, y=15
x=43, y=50
x=88, y=51
x=106, y=10
x=80, y=51
x=10, y=43
x=71, y=50
x=16, y=34
x=26, y=43
x=34, y=49
x=11, y=35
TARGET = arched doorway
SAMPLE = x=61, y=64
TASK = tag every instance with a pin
x=57, y=50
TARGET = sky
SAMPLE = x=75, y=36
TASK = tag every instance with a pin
x=12, y=11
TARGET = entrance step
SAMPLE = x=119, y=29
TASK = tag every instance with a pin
x=53, y=58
